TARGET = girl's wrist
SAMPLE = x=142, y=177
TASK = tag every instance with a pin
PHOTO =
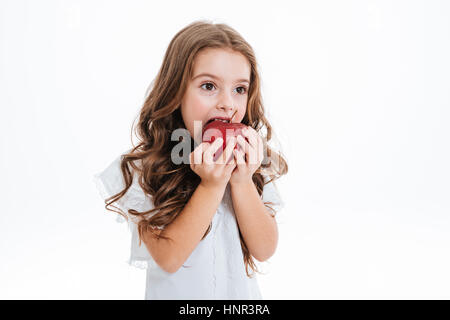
x=244, y=182
x=213, y=185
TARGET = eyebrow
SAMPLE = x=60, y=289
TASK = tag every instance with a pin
x=215, y=77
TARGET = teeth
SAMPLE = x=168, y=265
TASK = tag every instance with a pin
x=222, y=120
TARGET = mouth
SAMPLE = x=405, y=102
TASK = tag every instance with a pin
x=226, y=120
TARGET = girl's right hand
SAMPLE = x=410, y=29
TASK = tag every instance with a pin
x=213, y=173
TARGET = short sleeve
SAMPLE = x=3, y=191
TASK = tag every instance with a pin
x=271, y=194
x=109, y=182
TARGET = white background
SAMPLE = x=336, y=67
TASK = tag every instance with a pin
x=357, y=92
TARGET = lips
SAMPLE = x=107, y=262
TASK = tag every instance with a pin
x=221, y=119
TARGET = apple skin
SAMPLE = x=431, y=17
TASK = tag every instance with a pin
x=218, y=129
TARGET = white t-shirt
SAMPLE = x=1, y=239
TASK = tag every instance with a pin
x=214, y=270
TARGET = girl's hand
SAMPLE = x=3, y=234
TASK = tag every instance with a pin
x=213, y=173
x=249, y=160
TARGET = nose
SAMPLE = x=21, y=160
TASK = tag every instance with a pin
x=226, y=108
x=226, y=103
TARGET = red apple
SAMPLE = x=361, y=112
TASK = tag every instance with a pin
x=219, y=129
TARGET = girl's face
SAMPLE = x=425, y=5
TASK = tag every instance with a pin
x=218, y=88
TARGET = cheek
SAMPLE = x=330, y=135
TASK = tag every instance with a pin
x=197, y=106
x=241, y=113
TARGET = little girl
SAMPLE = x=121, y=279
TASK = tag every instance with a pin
x=198, y=226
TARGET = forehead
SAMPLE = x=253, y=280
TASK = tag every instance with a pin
x=223, y=63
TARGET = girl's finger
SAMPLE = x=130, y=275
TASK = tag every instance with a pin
x=251, y=134
x=243, y=143
x=257, y=155
x=198, y=153
x=261, y=148
x=231, y=165
x=240, y=158
x=209, y=153
x=227, y=153
x=191, y=160
x=250, y=151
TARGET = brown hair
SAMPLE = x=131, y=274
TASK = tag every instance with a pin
x=171, y=185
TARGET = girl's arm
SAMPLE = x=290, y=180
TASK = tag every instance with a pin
x=186, y=230
x=189, y=227
x=258, y=227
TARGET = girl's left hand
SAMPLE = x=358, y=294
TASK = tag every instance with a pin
x=248, y=158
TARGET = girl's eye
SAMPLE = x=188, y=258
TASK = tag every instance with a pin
x=241, y=90
x=207, y=83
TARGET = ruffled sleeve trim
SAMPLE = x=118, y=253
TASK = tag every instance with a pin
x=271, y=194
x=110, y=182
x=104, y=194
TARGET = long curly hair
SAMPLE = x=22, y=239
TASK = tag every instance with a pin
x=172, y=185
